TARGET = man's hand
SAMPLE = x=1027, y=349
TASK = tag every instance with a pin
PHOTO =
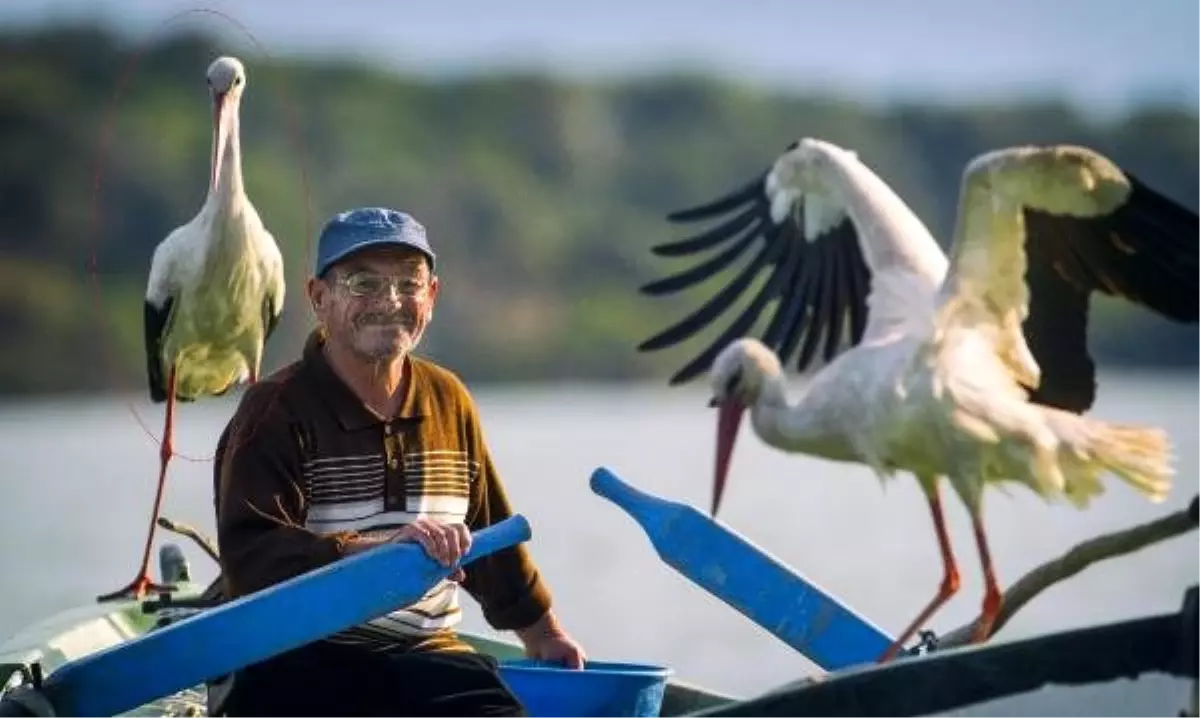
x=444, y=543
x=546, y=640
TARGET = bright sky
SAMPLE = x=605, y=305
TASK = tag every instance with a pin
x=1101, y=52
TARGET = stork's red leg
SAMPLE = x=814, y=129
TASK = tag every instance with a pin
x=991, y=598
x=141, y=585
x=949, y=579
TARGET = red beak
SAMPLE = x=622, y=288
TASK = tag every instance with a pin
x=729, y=418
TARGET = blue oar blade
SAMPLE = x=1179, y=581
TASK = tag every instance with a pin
x=253, y=628
x=747, y=578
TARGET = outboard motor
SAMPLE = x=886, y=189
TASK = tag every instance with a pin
x=25, y=701
x=173, y=565
x=22, y=695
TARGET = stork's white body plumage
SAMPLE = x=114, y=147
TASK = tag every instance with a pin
x=941, y=379
x=215, y=291
x=217, y=271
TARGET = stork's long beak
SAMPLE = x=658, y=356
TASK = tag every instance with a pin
x=729, y=418
x=220, y=136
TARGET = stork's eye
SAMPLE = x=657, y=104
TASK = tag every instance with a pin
x=734, y=379
x=237, y=80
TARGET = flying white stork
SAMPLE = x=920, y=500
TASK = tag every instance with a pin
x=215, y=291
x=973, y=368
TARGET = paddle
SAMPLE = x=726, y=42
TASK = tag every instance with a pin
x=277, y=619
x=766, y=591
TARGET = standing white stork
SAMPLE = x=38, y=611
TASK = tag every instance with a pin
x=974, y=368
x=215, y=292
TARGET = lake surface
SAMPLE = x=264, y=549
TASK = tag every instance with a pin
x=79, y=480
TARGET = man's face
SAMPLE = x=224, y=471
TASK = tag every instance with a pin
x=376, y=302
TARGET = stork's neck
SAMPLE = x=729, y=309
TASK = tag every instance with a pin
x=769, y=409
x=800, y=426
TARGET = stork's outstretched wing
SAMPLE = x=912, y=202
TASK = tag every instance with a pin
x=1041, y=229
x=1146, y=250
x=808, y=250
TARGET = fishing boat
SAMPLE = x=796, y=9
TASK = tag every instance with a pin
x=169, y=653
x=83, y=631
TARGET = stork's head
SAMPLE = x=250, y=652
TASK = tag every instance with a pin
x=226, y=81
x=738, y=376
x=226, y=75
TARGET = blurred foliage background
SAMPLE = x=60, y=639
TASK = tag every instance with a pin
x=542, y=196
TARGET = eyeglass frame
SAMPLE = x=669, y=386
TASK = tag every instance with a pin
x=387, y=283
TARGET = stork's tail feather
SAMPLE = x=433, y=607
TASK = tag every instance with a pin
x=1139, y=455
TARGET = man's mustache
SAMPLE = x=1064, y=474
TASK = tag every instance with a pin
x=389, y=319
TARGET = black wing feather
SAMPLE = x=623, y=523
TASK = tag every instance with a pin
x=819, y=315
x=710, y=237
x=835, y=310
x=154, y=323
x=788, y=307
x=859, y=286
x=800, y=303
x=742, y=324
x=820, y=285
x=270, y=318
x=1147, y=251
x=713, y=308
x=746, y=193
x=702, y=271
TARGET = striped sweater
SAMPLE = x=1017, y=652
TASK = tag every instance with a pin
x=303, y=466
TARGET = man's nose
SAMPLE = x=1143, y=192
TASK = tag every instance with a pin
x=391, y=295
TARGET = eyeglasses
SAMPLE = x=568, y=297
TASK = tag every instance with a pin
x=367, y=284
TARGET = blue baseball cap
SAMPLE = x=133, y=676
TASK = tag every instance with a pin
x=364, y=227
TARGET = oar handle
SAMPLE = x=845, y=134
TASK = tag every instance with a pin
x=497, y=537
x=606, y=484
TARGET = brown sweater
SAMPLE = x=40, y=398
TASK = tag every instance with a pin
x=303, y=466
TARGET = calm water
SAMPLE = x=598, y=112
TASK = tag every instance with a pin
x=79, y=482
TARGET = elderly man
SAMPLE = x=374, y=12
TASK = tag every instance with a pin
x=359, y=443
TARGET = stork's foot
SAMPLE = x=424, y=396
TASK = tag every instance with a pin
x=987, y=619
x=136, y=590
x=982, y=631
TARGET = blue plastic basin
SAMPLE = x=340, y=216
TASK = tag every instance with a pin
x=599, y=689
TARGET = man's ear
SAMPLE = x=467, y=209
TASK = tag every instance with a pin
x=315, y=289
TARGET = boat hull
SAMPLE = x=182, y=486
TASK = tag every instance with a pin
x=82, y=631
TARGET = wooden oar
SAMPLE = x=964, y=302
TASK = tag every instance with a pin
x=789, y=606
